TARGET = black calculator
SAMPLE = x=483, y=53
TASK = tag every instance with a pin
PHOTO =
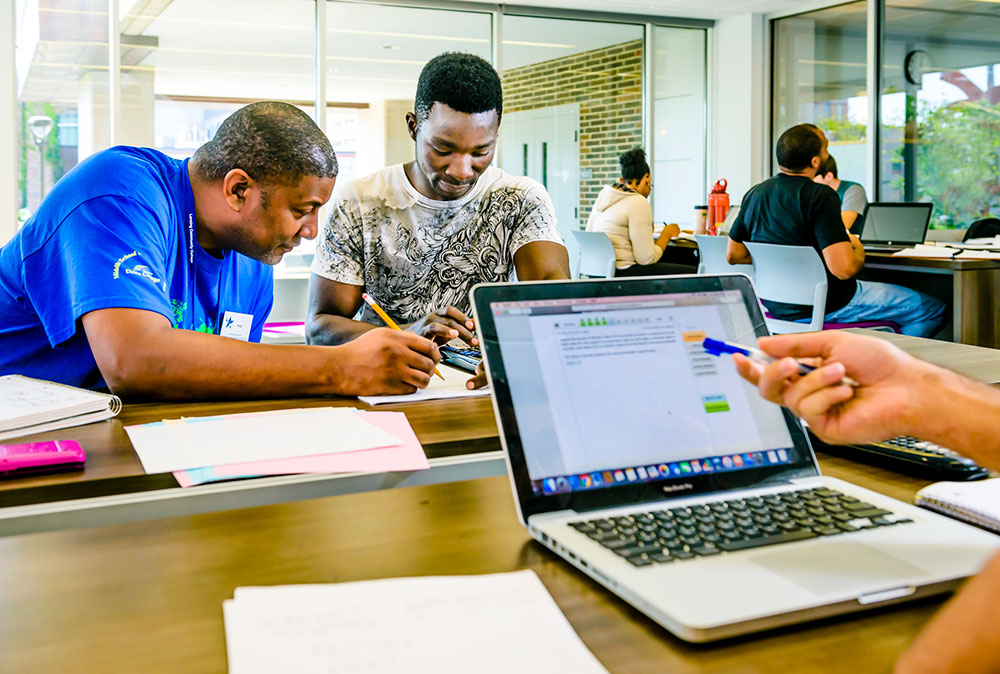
x=910, y=456
x=465, y=358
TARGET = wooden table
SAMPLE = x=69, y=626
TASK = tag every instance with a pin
x=147, y=597
x=976, y=362
x=970, y=287
x=459, y=436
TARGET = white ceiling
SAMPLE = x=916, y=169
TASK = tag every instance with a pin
x=689, y=9
x=264, y=48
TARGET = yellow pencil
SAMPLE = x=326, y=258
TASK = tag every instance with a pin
x=388, y=321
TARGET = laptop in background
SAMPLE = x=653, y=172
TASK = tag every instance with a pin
x=894, y=226
x=652, y=467
x=727, y=224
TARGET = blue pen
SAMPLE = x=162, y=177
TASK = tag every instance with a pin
x=717, y=348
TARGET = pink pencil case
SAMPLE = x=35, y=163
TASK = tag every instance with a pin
x=41, y=456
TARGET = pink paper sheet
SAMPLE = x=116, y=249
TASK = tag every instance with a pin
x=407, y=456
x=183, y=479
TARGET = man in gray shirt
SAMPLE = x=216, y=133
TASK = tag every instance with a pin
x=852, y=195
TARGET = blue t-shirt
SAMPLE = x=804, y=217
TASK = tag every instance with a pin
x=114, y=233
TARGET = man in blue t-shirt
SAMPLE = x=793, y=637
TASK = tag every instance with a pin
x=133, y=255
x=790, y=209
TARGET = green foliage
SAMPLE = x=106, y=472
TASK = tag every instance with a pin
x=958, y=161
x=52, y=155
x=22, y=164
x=957, y=154
x=841, y=130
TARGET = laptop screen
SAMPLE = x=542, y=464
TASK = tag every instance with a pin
x=894, y=223
x=615, y=390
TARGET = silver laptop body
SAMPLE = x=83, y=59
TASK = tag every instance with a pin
x=610, y=412
x=890, y=226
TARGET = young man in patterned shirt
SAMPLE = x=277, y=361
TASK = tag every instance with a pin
x=418, y=236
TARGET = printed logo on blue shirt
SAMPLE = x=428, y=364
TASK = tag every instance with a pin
x=118, y=264
x=136, y=270
x=143, y=271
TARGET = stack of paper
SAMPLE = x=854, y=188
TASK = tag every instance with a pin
x=33, y=406
x=452, y=386
x=949, y=251
x=978, y=255
x=923, y=250
x=316, y=440
x=984, y=241
x=504, y=622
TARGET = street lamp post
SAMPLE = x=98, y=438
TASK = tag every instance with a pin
x=40, y=127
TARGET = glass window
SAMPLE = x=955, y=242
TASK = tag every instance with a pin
x=186, y=65
x=573, y=99
x=819, y=76
x=678, y=124
x=940, y=126
x=374, y=56
x=61, y=59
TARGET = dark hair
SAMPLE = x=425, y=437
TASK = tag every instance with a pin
x=272, y=142
x=829, y=166
x=633, y=163
x=797, y=146
x=463, y=82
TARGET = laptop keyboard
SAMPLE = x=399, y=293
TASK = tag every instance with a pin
x=661, y=536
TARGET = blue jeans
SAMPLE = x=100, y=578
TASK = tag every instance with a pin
x=914, y=312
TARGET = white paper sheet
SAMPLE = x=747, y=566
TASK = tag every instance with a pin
x=181, y=444
x=983, y=241
x=505, y=622
x=923, y=250
x=978, y=255
x=453, y=386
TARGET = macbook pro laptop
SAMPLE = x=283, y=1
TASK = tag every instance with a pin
x=652, y=467
x=888, y=227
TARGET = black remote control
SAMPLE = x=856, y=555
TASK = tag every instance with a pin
x=910, y=456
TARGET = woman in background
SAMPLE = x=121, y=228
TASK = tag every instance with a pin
x=622, y=211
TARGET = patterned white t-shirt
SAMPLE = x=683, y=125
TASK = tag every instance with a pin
x=416, y=255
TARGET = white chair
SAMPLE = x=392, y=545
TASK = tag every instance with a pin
x=712, y=257
x=790, y=274
x=596, y=257
x=797, y=275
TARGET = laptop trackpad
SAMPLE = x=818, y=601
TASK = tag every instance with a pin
x=831, y=568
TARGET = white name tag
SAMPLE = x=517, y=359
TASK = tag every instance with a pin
x=236, y=325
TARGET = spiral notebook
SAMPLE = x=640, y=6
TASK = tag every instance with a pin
x=973, y=502
x=32, y=406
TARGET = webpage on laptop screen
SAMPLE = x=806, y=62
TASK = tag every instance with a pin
x=619, y=389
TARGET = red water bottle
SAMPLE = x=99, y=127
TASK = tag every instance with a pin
x=718, y=206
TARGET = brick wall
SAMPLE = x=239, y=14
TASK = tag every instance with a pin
x=607, y=83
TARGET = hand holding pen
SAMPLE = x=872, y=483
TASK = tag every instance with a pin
x=718, y=347
x=387, y=320
x=891, y=388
